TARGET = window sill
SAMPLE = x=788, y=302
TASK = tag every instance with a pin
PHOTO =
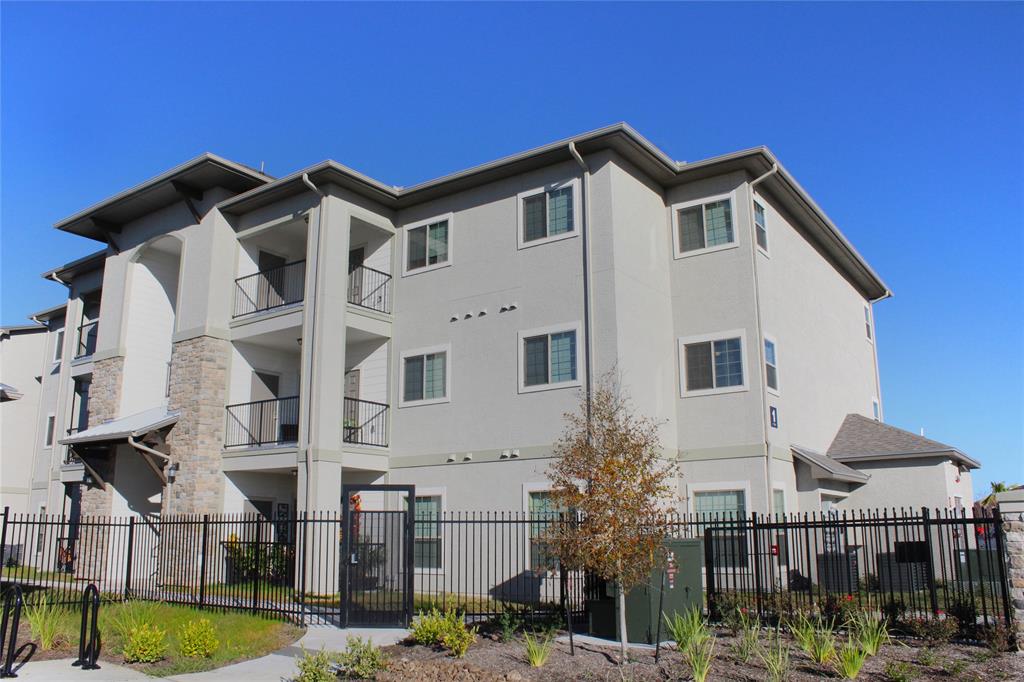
x=773, y=391
x=764, y=252
x=418, y=403
x=714, y=391
x=426, y=268
x=546, y=240
x=709, y=249
x=428, y=571
x=550, y=387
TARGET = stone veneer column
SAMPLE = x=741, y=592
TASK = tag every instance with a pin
x=1013, y=527
x=199, y=386
x=104, y=405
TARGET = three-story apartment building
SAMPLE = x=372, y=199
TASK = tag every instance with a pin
x=254, y=343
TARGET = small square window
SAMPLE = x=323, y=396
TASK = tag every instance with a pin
x=710, y=364
x=425, y=377
x=427, y=246
x=549, y=358
x=547, y=214
x=760, y=226
x=704, y=226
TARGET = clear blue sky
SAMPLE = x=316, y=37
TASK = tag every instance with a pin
x=905, y=122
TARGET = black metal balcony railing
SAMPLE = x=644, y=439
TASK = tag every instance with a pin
x=369, y=288
x=366, y=423
x=264, y=422
x=270, y=289
x=87, y=334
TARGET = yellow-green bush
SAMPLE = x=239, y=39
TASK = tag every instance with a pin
x=197, y=639
x=147, y=644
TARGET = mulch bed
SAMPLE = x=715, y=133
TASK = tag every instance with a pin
x=490, y=660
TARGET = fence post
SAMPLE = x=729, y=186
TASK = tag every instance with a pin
x=202, y=561
x=259, y=561
x=1004, y=584
x=932, y=593
x=128, y=561
x=709, y=573
x=3, y=536
x=757, y=563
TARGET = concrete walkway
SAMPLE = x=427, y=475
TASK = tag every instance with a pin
x=276, y=667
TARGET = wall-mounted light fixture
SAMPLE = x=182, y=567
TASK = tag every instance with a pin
x=172, y=473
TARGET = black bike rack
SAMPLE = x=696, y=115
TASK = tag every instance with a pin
x=88, y=653
x=14, y=600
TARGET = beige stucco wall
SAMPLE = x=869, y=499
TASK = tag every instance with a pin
x=21, y=356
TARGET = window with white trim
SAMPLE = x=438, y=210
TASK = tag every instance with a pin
x=867, y=323
x=876, y=411
x=51, y=424
x=547, y=214
x=730, y=548
x=771, y=365
x=425, y=376
x=58, y=349
x=712, y=364
x=542, y=510
x=427, y=245
x=427, y=542
x=760, y=227
x=778, y=501
x=548, y=358
x=704, y=225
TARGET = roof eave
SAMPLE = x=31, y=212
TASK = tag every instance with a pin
x=884, y=456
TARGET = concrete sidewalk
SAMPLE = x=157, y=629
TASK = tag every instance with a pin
x=276, y=667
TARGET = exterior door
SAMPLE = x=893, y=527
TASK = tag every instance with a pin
x=377, y=547
x=356, y=257
x=264, y=422
x=271, y=292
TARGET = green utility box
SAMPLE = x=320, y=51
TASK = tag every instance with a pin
x=683, y=590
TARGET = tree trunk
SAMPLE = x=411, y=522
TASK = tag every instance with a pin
x=621, y=596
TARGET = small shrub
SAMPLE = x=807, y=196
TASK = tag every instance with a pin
x=538, y=649
x=46, y=622
x=928, y=657
x=361, y=659
x=131, y=615
x=996, y=637
x=894, y=611
x=509, y=621
x=730, y=607
x=899, y=671
x=775, y=656
x=315, y=668
x=457, y=640
x=688, y=628
x=147, y=644
x=699, y=655
x=197, y=639
x=837, y=609
x=429, y=628
x=849, y=660
x=965, y=612
x=955, y=668
x=933, y=631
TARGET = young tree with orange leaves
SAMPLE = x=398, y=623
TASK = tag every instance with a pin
x=609, y=470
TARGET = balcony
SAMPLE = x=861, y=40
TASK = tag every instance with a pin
x=369, y=288
x=366, y=423
x=263, y=423
x=87, y=334
x=270, y=289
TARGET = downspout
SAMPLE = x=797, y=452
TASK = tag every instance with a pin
x=760, y=339
x=588, y=346
x=311, y=307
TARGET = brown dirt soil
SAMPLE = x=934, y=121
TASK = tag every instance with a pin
x=490, y=660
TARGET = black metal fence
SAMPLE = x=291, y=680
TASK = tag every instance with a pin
x=366, y=422
x=900, y=564
x=264, y=422
x=269, y=289
x=369, y=288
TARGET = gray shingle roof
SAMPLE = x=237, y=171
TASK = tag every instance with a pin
x=134, y=425
x=833, y=470
x=862, y=438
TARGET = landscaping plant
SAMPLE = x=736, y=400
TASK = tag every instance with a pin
x=849, y=660
x=688, y=628
x=46, y=622
x=802, y=630
x=458, y=639
x=361, y=659
x=315, y=668
x=699, y=654
x=823, y=645
x=430, y=627
x=129, y=616
x=197, y=639
x=510, y=622
x=538, y=648
x=899, y=671
x=869, y=633
x=608, y=468
x=933, y=631
x=928, y=657
x=146, y=644
x=775, y=656
x=748, y=639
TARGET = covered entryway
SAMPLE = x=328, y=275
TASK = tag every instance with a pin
x=377, y=549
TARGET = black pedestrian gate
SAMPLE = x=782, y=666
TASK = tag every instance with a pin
x=377, y=550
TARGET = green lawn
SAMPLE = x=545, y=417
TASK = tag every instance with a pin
x=240, y=636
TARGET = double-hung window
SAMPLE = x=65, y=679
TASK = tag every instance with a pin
x=548, y=358
x=867, y=323
x=425, y=376
x=760, y=227
x=543, y=512
x=730, y=547
x=712, y=363
x=428, y=245
x=771, y=365
x=704, y=226
x=427, y=550
x=58, y=348
x=51, y=427
x=547, y=214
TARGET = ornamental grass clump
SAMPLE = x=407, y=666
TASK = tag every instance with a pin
x=47, y=623
x=688, y=628
x=748, y=639
x=823, y=645
x=699, y=655
x=870, y=634
x=538, y=649
x=775, y=656
x=849, y=660
x=802, y=630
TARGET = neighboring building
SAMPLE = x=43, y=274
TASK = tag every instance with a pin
x=262, y=341
x=21, y=357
